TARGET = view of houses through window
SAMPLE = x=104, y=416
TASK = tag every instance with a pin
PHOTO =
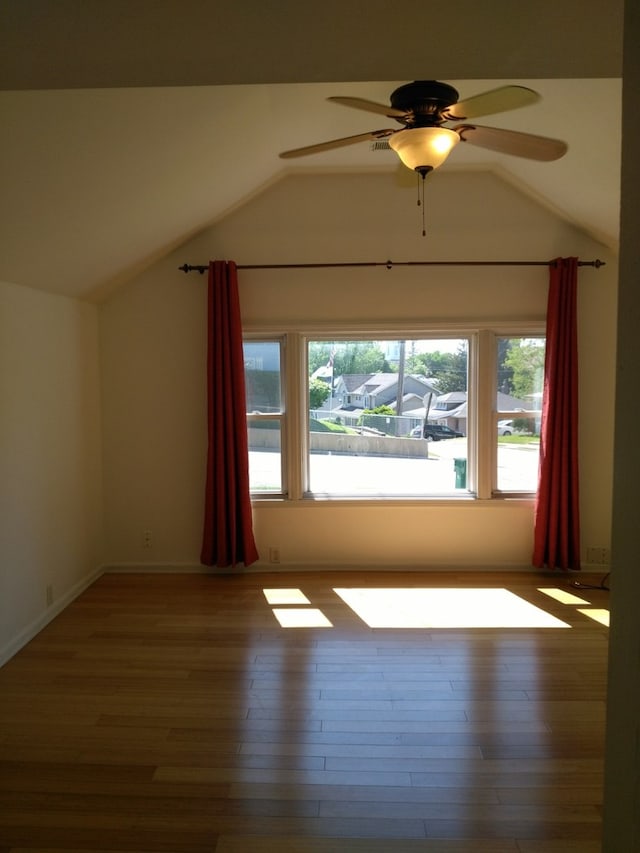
x=387, y=417
x=394, y=418
x=519, y=384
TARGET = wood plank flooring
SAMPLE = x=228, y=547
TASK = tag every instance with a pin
x=173, y=713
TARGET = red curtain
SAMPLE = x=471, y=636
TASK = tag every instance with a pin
x=228, y=533
x=557, y=512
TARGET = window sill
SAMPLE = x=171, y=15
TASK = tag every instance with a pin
x=466, y=500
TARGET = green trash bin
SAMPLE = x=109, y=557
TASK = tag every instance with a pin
x=460, y=467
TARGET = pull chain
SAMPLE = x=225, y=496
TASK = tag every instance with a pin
x=422, y=172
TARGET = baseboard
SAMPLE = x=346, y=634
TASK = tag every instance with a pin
x=188, y=568
x=262, y=566
x=27, y=634
x=158, y=568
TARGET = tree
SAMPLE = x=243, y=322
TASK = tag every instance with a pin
x=379, y=410
x=454, y=375
x=378, y=417
x=449, y=368
x=505, y=372
x=263, y=389
x=348, y=357
x=525, y=359
x=318, y=393
x=319, y=355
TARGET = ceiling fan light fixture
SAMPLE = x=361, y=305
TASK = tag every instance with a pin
x=423, y=148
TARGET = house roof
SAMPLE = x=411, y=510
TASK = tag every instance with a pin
x=505, y=403
x=353, y=381
x=453, y=397
x=460, y=412
x=123, y=140
x=378, y=381
x=508, y=403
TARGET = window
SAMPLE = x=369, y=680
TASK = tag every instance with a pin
x=374, y=428
x=519, y=383
x=263, y=372
x=421, y=416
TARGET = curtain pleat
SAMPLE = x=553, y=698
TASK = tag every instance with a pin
x=557, y=511
x=228, y=532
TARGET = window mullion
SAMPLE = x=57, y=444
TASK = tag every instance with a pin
x=485, y=399
x=295, y=440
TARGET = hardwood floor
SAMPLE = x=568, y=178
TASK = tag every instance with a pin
x=174, y=713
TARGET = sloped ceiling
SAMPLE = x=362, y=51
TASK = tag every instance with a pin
x=127, y=128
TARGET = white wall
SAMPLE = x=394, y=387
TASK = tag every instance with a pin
x=153, y=345
x=50, y=458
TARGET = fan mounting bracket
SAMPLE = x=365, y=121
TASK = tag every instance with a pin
x=424, y=101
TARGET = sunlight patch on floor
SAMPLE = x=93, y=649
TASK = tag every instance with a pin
x=445, y=608
x=287, y=596
x=601, y=616
x=295, y=617
x=562, y=596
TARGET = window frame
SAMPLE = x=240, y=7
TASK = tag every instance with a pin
x=502, y=414
x=369, y=335
x=482, y=413
x=271, y=417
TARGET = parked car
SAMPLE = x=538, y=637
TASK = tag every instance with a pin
x=434, y=432
x=505, y=428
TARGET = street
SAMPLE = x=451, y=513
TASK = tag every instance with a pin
x=392, y=475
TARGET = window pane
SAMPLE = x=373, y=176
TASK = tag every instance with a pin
x=262, y=376
x=520, y=373
x=265, y=415
x=388, y=417
x=518, y=455
x=265, y=458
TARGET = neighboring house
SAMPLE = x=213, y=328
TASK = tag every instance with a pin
x=506, y=403
x=451, y=409
x=346, y=388
x=447, y=403
x=355, y=392
x=378, y=389
x=412, y=405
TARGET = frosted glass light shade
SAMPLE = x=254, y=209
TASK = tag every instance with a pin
x=423, y=147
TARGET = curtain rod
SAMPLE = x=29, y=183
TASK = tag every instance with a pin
x=202, y=268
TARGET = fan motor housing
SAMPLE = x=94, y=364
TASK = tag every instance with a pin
x=424, y=98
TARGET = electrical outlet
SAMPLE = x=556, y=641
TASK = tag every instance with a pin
x=147, y=539
x=274, y=555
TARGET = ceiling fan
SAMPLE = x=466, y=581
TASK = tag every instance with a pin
x=425, y=107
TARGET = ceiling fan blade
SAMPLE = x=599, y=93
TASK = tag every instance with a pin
x=494, y=101
x=512, y=142
x=369, y=106
x=335, y=143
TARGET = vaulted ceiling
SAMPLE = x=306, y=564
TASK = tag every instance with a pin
x=128, y=127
